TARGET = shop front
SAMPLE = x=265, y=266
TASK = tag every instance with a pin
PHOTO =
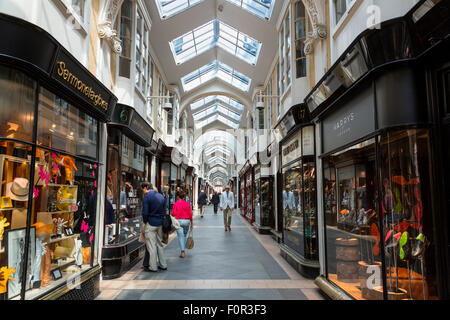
x=52, y=123
x=298, y=196
x=246, y=192
x=382, y=222
x=263, y=203
x=128, y=137
x=189, y=182
x=170, y=173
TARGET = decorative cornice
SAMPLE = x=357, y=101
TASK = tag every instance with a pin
x=106, y=23
x=319, y=29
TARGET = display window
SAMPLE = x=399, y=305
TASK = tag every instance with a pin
x=57, y=200
x=123, y=211
x=257, y=197
x=267, y=217
x=299, y=194
x=367, y=210
x=249, y=196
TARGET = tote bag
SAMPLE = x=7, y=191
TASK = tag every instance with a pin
x=190, y=240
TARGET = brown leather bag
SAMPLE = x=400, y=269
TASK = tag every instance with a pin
x=190, y=240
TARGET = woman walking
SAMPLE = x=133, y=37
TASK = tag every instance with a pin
x=183, y=213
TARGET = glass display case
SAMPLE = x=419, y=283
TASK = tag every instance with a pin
x=249, y=212
x=257, y=197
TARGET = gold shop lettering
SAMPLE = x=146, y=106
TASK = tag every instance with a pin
x=290, y=148
x=81, y=86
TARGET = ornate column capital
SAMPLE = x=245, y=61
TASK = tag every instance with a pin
x=107, y=19
x=319, y=29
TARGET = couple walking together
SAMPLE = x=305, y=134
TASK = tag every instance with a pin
x=154, y=207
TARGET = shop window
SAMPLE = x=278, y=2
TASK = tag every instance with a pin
x=406, y=215
x=64, y=127
x=64, y=214
x=15, y=165
x=123, y=212
x=352, y=225
x=300, y=37
x=17, y=105
x=141, y=63
x=126, y=14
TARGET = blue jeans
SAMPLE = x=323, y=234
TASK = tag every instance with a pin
x=182, y=232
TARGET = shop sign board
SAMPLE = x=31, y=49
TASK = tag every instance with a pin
x=292, y=148
x=73, y=76
x=350, y=122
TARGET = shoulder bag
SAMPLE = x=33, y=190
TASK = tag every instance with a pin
x=190, y=240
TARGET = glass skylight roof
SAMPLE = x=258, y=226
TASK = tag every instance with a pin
x=230, y=101
x=170, y=8
x=214, y=109
x=215, y=69
x=218, y=117
x=211, y=34
x=214, y=149
x=261, y=8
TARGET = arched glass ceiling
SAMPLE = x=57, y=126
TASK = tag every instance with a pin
x=217, y=148
x=217, y=108
x=215, y=69
x=212, y=99
x=216, y=117
x=170, y=8
x=261, y=8
x=211, y=34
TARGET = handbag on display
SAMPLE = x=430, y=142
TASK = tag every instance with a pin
x=190, y=240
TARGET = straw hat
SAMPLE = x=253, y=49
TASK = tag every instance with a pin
x=18, y=189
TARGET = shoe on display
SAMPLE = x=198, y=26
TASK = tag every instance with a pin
x=421, y=243
x=404, y=246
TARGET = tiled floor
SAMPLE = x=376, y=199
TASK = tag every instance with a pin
x=236, y=265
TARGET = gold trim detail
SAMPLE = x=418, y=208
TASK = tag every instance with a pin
x=331, y=290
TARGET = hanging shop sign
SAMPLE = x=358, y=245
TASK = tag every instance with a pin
x=297, y=115
x=127, y=118
x=350, y=122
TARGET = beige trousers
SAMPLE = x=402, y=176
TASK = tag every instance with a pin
x=227, y=217
x=153, y=241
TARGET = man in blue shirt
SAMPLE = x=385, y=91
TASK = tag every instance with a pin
x=153, y=211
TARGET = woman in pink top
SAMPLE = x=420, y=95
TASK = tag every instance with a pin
x=183, y=213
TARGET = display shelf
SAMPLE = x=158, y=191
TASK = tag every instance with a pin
x=63, y=238
x=60, y=265
x=55, y=212
x=20, y=160
x=6, y=209
x=62, y=185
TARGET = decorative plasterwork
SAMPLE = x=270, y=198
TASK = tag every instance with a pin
x=106, y=23
x=319, y=29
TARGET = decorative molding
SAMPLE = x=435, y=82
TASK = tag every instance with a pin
x=106, y=23
x=319, y=29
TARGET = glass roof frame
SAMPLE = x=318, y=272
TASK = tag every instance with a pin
x=211, y=34
x=217, y=108
x=170, y=8
x=215, y=148
x=261, y=8
x=213, y=70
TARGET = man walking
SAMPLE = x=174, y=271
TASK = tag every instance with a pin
x=153, y=210
x=202, y=201
x=215, y=201
x=227, y=206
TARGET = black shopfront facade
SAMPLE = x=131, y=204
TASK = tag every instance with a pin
x=297, y=198
x=263, y=197
x=382, y=111
x=53, y=115
x=128, y=165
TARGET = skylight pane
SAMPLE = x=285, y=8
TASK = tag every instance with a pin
x=215, y=70
x=168, y=9
x=261, y=8
x=216, y=33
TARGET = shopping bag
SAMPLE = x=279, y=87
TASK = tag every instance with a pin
x=190, y=240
